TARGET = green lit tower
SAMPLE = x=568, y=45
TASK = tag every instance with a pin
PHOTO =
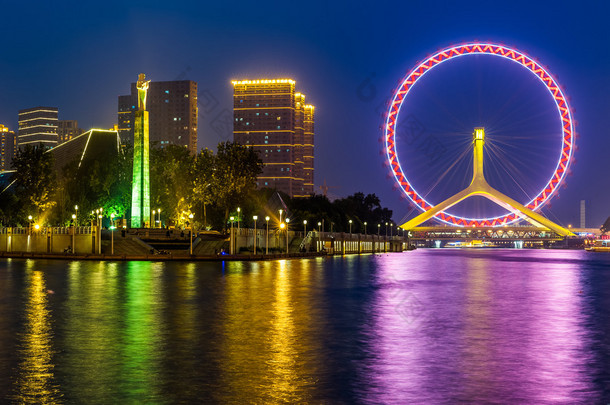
x=140, y=189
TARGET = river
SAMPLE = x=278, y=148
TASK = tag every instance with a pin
x=429, y=326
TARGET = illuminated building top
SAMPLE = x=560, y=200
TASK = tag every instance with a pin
x=270, y=116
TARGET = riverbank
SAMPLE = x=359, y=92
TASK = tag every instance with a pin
x=157, y=257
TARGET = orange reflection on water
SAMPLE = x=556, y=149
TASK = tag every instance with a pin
x=35, y=377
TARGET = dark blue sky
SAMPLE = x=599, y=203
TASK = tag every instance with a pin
x=346, y=57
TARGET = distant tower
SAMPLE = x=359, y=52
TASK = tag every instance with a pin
x=7, y=147
x=140, y=189
x=583, y=215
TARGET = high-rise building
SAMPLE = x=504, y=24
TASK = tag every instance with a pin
x=67, y=130
x=271, y=117
x=172, y=107
x=7, y=145
x=38, y=125
x=583, y=214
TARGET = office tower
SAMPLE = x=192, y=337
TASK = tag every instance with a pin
x=37, y=126
x=583, y=213
x=7, y=145
x=172, y=107
x=271, y=117
x=67, y=130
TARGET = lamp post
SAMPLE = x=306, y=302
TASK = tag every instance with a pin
x=100, y=227
x=29, y=225
x=350, y=228
x=76, y=214
x=255, y=218
x=154, y=217
x=364, y=228
x=73, y=232
x=386, y=230
x=281, y=210
x=267, y=236
x=112, y=233
x=159, y=212
x=287, y=220
x=378, y=229
x=238, y=215
x=191, y=218
x=304, y=228
x=231, y=235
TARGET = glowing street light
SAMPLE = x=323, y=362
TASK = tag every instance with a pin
x=231, y=235
x=287, y=220
x=238, y=215
x=386, y=229
x=30, y=225
x=350, y=228
x=364, y=228
x=281, y=210
x=378, y=229
x=159, y=212
x=112, y=233
x=304, y=228
x=191, y=218
x=255, y=217
x=267, y=236
x=76, y=215
x=100, y=233
x=73, y=233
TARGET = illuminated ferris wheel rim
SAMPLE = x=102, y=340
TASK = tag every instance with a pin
x=511, y=54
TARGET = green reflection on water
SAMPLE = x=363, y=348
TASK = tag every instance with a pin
x=141, y=349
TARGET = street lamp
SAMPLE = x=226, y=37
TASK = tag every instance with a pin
x=100, y=228
x=159, y=212
x=364, y=228
x=231, y=235
x=281, y=210
x=30, y=225
x=152, y=225
x=112, y=233
x=238, y=215
x=73, y=233
x=76, y=215
x=378, y=229
x=386, y=229
x=304, y=228
x=255, y=218
x=267, y=236
x=350, y=228
x=287, y=220
x=191, y=218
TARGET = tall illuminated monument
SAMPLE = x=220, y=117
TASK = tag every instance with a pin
x=479, y=186
x=140, y=189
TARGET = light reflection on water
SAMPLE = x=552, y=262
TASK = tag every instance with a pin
x=428, y=326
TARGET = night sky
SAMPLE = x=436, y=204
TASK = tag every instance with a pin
x=346, y=57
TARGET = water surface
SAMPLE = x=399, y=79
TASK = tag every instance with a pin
x=429, y=326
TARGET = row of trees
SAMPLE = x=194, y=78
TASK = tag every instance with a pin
x=181, y=183
x=208, y=185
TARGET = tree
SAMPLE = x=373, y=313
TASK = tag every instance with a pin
x=203, y=176
x=234, y=175
x=35, y=180
x=171, y=181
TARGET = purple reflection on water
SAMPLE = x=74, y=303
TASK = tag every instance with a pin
x=479, y=326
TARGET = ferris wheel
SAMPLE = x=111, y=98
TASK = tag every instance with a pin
x=564, y=130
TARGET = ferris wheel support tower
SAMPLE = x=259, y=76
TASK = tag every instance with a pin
x=479, y=186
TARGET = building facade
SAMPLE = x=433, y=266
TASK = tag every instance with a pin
x=38, y=126
x=8, y=143
x=67, y=130
x=272, y=117
x=173, y=113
